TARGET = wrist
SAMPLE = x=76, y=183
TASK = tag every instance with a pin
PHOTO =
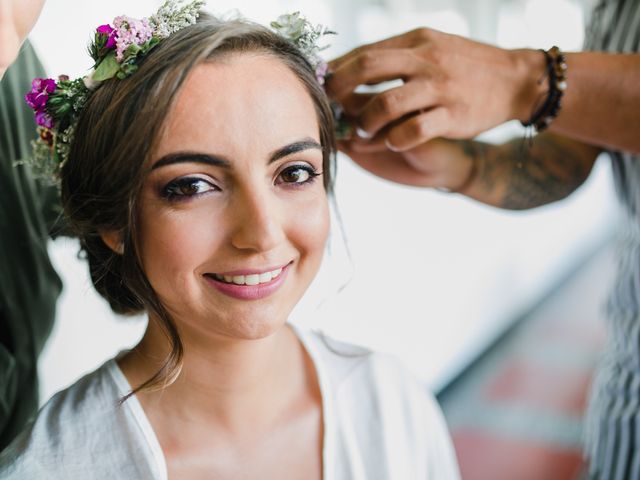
x=530, y=82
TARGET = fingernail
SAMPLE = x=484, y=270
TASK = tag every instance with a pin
x=389, y=146
x=362, y=134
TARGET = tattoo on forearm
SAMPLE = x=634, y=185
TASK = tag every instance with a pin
x=519, y=176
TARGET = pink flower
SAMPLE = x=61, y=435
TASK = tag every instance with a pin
x=321, y=72
x=44, y=119
x=39, y=95
x=108, y=30
x=130, y=31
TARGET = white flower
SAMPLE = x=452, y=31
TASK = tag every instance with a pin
x=290, y=26
x=89, y=82
x=301, y=33
x=171, y=16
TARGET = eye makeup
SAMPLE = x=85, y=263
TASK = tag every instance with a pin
x=293, y=175
x=297, y=175
x=186, y=188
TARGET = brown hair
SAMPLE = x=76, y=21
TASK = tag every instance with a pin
x=115, y=136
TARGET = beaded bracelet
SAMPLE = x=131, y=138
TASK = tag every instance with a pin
x=557, y=74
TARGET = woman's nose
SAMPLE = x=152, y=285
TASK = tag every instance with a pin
x=258, y=222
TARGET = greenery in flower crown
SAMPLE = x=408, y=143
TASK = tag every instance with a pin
x=302, y=33
x=116, y=50
x=56, y=106
x=306, y=36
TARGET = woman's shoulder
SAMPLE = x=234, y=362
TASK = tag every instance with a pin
x=81, y=432
x=375, y=380
x=378, y=403
x=351, y=365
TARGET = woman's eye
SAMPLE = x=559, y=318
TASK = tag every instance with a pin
x=297, y=174
x=187, y=187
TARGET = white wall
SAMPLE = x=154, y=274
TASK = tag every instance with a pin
x=431, y=277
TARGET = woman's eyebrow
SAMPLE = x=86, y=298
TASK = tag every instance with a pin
x=299, y=146
x=220, y=161
x=192, y=157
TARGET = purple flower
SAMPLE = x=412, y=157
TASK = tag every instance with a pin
x=44, y=119
x=39, y=95
x=108, y=30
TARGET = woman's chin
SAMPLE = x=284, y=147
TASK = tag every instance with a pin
x=250, y=327
x=256, y=330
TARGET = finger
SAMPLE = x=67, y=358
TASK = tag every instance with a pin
x=403, y=40
x=393, y=104
x=364, y=145
x=373, y=145
x=390, y=166
x=418, y=129
x=354, y=104
x=444, y=161
x=371, y=67
x=363, y=148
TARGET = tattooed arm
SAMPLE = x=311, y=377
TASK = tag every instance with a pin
x=517, y=175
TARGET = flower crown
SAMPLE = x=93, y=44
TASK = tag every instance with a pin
x=116, y=50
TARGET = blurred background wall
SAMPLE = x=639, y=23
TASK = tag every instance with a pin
x=431, y=277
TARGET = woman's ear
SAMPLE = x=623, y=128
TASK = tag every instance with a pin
x=113, y=240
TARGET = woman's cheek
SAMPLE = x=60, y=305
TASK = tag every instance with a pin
x=180, y=241
x=312, y=222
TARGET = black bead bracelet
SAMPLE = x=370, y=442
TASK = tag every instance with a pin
x=557, y=75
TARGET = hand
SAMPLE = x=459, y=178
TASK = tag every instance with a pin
x=452, y=87
x=17, y=17
x=439, y=163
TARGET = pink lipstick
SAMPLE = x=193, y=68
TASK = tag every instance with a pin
x=249, y=284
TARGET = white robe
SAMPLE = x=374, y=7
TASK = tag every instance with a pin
x=379, y=423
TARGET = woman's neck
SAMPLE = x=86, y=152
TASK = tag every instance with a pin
x=233, y=385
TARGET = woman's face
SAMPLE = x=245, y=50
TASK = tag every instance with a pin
x=234, y=215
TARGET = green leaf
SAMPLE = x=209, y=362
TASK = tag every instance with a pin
x=55, y=100
x=132, y=50
x=126, y=70
x=107, y=68
x=149, y=44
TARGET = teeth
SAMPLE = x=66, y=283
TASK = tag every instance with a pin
x=264, y=277
x=253, y=279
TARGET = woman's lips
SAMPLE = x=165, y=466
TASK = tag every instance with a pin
x=249, y=285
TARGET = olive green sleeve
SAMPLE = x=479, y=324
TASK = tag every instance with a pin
x=29, y=286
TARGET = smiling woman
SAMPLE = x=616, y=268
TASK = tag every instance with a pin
x=198, y=187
